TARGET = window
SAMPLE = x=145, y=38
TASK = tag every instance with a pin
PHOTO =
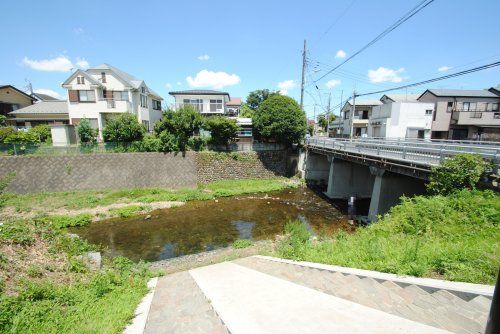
x=215, y=105
x=143, y=90
x=449, y=108
x=195, y=103
x=80, y=80
x=156, y=105
x=144, y=101
x=103, y=77
x=146, y=125
x=466, y=106
x=428, y=112
x=346, y=114
x=495, y=106
x=120, y=95
x=496, y=115
x=86, y=96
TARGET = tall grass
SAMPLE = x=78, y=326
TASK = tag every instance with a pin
x=455, y=237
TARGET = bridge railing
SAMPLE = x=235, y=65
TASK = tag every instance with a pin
x=406, y=150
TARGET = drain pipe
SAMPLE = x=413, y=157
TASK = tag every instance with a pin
x=493, y=325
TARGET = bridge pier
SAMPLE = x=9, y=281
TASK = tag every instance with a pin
x=346, y=179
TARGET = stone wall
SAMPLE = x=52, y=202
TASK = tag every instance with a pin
x=138, y=170
x=214, y=166
x=99, y=171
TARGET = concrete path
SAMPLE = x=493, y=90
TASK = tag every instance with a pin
x=251, y=302
x=269, y=295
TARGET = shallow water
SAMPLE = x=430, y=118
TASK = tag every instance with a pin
x=206, y=225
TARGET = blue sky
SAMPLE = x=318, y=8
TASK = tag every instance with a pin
x=240, y=46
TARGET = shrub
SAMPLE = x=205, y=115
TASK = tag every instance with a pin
x=42, y=132
x=5, y=132
x=86, y=133
x=463, y=171
x=3, y=120
x=242, y=243
x=169, y=142
x=22, y=137
x=280, y=118
x=181, y=124
x=197, y=143
x=222, y=129
x=123, y=128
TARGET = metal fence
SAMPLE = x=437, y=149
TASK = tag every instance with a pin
x=417, y=151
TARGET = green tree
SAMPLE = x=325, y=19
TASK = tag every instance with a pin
x=86, y=133
x=181, y=124
x=5, y=132
x=323, y=120
x=42, y=131
x=222, y=129
x=461, y=171
x=22, y=137
x=124, y=129
x=246, y=111
x=255, y=98
x=3, y=120
x=280, y=118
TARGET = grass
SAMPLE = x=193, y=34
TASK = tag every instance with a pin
x=242, y=243
x=454, y=237
x=75, y=200
x=129, y=211
x=45, y=288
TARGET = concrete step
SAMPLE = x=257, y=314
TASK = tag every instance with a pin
x=179, y=306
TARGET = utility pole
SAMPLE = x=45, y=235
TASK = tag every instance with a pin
x=314, y=118
x=353, y=111
x=328, y=115
x=303, y=77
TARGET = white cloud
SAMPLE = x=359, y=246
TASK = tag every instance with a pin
x=340, y=54
x=82, y=63
x=444, y=68
x=284, y=86
x=57, y=64
x=383, y=74
x=49, y=92
x=179, y=83
x=168, y=85
x=216, y=80
x=332, y=83
x=204, y=57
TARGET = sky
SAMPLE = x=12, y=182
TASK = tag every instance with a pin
x=241, y=46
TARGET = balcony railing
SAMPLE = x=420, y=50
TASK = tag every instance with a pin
x=110, y=103
x=244, y=133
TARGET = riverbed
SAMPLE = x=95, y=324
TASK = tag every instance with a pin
x=200, y=226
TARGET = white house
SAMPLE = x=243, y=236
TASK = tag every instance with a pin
x=359, y=122
x=104, y=91
x=213, y=103
x=401, y=116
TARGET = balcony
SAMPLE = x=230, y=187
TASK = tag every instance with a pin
x=204, y=108
x=476, y=117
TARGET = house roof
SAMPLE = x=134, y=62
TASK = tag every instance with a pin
x=18, y=90
x=401, y=97
x=365, y=102
x=198, y=92
x=495, y=90
x=43, y=97
x=84, y=74
x=235, y=101
x=459, y=93
x=44, y=107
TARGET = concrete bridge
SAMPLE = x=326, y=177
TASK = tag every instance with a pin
x=382, y=169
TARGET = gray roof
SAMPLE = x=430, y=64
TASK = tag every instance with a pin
x=198, y=92
x=366, y=102
x=460, y=93
x=129, y=79
x=402, y=97
x=44, y=107
x=44, y=97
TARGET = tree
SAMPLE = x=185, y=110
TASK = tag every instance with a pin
x=461, y=171
x=246, y=111
x=125, y=129
x=255, y=98
x=22, y=137
x=181, y=124
x=222, y=129
x=42, y=132
x=86, y=133
x=323, y=120
x=5, y=132
x=3, y=120
x=279, y=117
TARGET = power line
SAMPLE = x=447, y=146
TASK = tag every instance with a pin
x=457, y=74
x=421, y=5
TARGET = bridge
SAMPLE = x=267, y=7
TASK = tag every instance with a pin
x=382, y=169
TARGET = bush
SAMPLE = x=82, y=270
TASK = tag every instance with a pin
x=148, y=144
x=222, y=129
x=197, y=143
x=22, y=137
x=296, y=238
x=169, y=142
x=123, y=128
x=86, y=133
x=5, y=132
x=463, y=171
x=280, y=118
x=181, y=124
x=42, y=132
x=3, y=120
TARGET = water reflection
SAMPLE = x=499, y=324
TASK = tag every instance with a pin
x=202, y=226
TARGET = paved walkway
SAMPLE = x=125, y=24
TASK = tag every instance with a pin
x=265, y=295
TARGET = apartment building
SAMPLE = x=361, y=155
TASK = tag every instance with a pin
x=464, y=114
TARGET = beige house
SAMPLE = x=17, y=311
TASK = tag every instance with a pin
x=12, y=99
x=357, y=119
x=464, y=114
